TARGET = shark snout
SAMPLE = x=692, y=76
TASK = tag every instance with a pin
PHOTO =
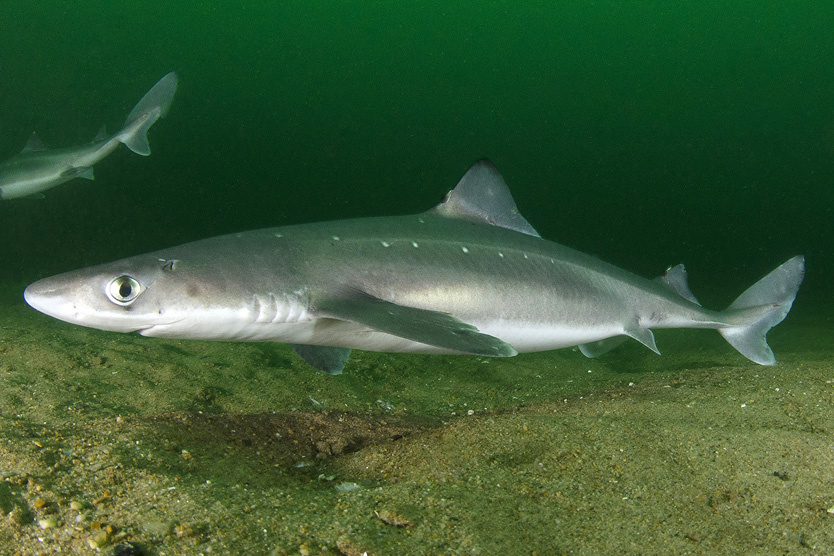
x=68, y=298
x=35, y=294
x=48, y=297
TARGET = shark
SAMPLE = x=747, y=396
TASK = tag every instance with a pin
x=36, y=168
x=469, y=276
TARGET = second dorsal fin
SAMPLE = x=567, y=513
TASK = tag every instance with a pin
x=482, y=195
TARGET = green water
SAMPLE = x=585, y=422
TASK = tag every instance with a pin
x=646, y=133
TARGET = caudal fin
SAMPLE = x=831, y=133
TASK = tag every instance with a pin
x=154, y=105
x=764, y=305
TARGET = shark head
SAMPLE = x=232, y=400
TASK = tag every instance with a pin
x=182, y=294
x=122, y=296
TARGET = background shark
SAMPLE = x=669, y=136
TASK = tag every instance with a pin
x=468, y=276
x=37, y=168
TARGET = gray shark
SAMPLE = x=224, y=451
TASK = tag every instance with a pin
x=470, y=275
x=37, y=168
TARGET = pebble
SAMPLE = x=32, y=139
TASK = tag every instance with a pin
x=392, y=518
x=98, y=540
x=48, y=523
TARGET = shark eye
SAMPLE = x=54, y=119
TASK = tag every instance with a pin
x=123, y=290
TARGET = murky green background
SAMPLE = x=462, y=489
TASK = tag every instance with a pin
x=648, y=133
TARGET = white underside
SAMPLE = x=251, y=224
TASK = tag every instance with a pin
x=524, y=337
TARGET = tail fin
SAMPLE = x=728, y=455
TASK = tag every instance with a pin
x=764, y=305
x=154, y=105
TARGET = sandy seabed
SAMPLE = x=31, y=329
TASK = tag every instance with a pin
x=124, y=445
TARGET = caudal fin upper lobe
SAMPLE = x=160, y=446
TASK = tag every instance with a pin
x=764, y=305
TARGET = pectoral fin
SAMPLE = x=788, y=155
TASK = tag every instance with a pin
x=426, y=327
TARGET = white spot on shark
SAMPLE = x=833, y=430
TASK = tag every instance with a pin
x=464, y=249
x=415, y=244
x=385, y=244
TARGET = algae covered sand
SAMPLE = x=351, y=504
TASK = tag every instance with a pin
x=120, y=444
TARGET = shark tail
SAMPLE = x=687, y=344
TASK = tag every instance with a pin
x=764, y=305
x=154, y=105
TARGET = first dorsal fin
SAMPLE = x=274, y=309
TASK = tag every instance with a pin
x=482, y=195
x=34, y=144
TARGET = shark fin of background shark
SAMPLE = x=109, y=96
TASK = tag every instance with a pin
x=33, y=144
x=85, y=172
x=432, y=328
x=157, y=100
x=482, y=195
x=101, y=135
